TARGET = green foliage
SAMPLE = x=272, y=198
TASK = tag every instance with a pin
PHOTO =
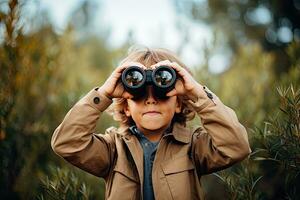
x=280, y=141
x=247, y=83
x=274, y=166
x=283, y=132
x=64, y=185
x=239, y=23
x=242, y=182
x=242, y=20
x=272, y=119
x=42, y=75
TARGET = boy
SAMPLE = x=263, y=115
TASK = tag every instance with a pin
x=152, y=155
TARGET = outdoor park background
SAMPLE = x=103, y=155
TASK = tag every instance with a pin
x=53, y=52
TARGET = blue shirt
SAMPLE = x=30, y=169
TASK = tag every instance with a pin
x=149, y=149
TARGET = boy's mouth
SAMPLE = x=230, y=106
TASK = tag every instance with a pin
x=152, y=113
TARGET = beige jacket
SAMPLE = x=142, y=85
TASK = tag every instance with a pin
x=182, y=156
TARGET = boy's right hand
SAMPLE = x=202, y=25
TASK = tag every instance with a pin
x=113, y=88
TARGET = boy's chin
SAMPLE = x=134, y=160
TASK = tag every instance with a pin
x=153, y=127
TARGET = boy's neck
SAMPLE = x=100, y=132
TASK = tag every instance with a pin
x=153, y=135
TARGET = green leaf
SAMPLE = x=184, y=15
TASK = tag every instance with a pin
x=255, y=182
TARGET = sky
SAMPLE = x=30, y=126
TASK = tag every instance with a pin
x=152, y=24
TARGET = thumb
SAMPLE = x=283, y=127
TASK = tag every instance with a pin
x=171, y=93
x=127, y=95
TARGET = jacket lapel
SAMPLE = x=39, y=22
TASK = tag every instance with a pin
x=135, y=150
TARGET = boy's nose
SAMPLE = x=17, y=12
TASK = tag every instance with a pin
x=150, y=97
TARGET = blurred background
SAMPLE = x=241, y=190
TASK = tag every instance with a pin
x=53, y=52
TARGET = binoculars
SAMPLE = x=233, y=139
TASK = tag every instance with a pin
x=136, y=79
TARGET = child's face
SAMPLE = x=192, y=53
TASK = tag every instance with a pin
x=150, y=113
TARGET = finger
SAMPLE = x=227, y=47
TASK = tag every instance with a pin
x=125, y=65
x=180, y=88
x=165, y=62
x=114, y=79
x=119, y=86
x=161, y=63
x=120, y=68
x=138, y=64
x=180, y=70
x=171, y=93
x=117, y=73
x=127, y=95
x=179, y=83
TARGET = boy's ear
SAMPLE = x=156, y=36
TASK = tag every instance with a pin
x=127, y=111
x=178, y=105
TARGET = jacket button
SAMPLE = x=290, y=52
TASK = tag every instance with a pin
x=209, y=95
x=96, y=100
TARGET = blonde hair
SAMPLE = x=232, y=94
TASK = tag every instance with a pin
x=148, y=57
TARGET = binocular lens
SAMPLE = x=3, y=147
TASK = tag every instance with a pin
x=163, y=77
x=133, y=78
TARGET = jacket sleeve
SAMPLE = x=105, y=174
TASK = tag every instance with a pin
x=223, y=140
x=74, y=138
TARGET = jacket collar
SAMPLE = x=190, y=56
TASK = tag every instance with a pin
x=179, y=132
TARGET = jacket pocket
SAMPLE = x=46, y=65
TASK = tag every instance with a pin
x=179, y=175
x=177, y=165
x=126, y=171
x=125, y=183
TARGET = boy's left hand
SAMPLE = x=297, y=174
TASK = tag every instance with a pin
x=186, y=85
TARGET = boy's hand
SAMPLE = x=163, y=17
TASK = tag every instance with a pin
x=113, y=87
x=186, y=85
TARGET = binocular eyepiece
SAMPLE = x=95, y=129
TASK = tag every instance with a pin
x=136, y=79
